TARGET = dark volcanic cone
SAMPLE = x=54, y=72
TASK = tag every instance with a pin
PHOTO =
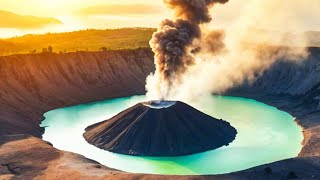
x=163, y=128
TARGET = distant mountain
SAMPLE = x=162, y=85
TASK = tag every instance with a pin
x=12, y=20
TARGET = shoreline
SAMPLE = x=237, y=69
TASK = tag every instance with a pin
x=233, y=175
x=294, y=121
x=306, y=135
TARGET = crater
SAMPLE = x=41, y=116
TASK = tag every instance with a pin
x=158, y=104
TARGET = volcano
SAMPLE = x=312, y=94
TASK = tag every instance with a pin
x=160, y=128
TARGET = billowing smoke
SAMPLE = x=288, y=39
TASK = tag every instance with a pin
x=175, y=42
x=213, y=61
x=211, y=42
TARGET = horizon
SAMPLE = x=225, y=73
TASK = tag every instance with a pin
x=98, y=14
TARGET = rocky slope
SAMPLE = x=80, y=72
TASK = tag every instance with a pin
x=295, y=88
x=33, y=84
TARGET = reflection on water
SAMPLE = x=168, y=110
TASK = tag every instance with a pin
x=265, y=135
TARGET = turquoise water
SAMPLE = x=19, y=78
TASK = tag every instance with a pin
x=265, y=135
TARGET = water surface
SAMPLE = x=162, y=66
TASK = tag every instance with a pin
x=265, y=135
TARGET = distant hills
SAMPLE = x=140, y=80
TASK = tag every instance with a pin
x=126, y=38
x=12, y=20
x=84, y=40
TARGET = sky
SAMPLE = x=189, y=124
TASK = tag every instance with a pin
x=296, y=15
x=60, y=7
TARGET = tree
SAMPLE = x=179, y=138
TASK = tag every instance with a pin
x=33, y=51
x=44, y=50
x=50, y=49
x=103, y=49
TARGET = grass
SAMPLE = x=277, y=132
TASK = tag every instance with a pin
x=84, y=40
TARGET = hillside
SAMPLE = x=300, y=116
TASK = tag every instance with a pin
x=35, y=83
x=84, y=40
x=116, y=39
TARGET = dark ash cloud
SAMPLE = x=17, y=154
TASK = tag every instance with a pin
x=173, y=42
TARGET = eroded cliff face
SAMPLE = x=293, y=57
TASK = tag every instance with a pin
x=299, y=80
x=33, y=84
x=295, y=88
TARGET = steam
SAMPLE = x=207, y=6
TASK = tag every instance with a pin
x=193, y=59
x=173, y=43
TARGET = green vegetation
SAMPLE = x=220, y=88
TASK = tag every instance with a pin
x=84, y=40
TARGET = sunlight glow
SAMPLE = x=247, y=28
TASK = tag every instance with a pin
x=103, y=14
x=59, y=7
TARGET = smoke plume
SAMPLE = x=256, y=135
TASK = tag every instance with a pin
x=193, y=59
x=174, y=42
